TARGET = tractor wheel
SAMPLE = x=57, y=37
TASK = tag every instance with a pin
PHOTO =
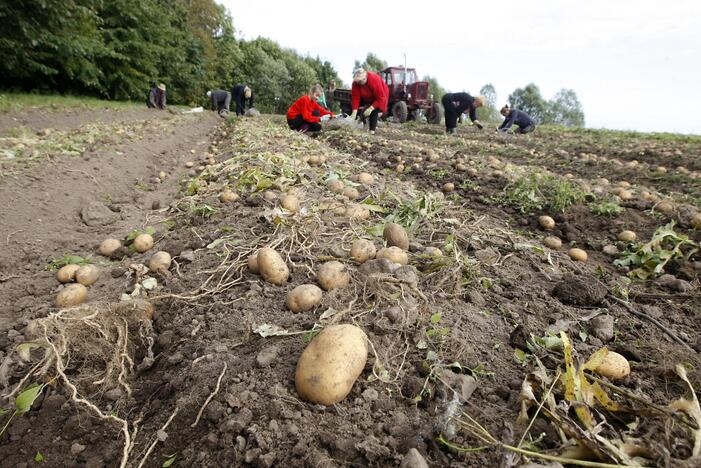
x=436, y=113
x=400, y=112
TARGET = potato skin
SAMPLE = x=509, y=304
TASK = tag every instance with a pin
x=332, y=275
x=365, y=178
x=331, y=363
x=356, y=211
x=396, y=235
x=614, y=366
x=160, y=262
x=290, y=203
x=351, y=193
x=228, y=196
x=578, y=255
x=143, y=242
x=272, y=267
x=393, y=254
x=546, y=222
x=362, y=250
x=627, y=236
x=109, y=246
x=87, y=274
x=72, y=295
x=304, y=298
x=253, y=263
x=552, y=242
x=335, y=185
x=66, y=273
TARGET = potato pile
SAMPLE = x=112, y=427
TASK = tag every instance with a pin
x=75, y=294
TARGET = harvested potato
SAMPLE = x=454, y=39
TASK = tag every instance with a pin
x=578, y=255
x=87, y=274
x=72, y=295
x=67, y=273
x=552, y=242
x=362, y=250
x=333, y=275
x=400, y=168
x=546, y=222
x=160, y=262
x=314, y=160
x=365, y=178
x=393, y=254
x=625, y=195
x=614, y=366
x=433, y=252
x=351, y=193
x=331, y=363
x=109, y=246
x=448, y=187
x=303, y=298
x=627, y=236
x=272, y=267
x=253, y=263
x=665, y=207
x=290, y=203
x=396, y=235
x=355, y=211
x=143, y=242
x=696, y=221
x=624, y=183
x=335, y=185
x=228, y=196
x=269, y=196
x=190, y=164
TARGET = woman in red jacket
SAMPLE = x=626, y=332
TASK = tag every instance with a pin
x=305, y=114
x=369, y=90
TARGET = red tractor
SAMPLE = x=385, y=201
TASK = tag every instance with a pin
x=408, y=97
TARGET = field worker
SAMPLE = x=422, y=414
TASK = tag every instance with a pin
x=369, y=90
x=322, y=99
x=306, y=113
x=523, y=121
x=157, y=97
x=240, y=93
x=329, y=95
x=455, y=104
x=221, y=100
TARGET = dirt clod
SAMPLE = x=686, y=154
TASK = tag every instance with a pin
x=580, y=291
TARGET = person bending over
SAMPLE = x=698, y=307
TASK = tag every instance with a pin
x=157, y=97
x=369, y=90
x=455, y=104
x=240, y=93
x=306, y=113
x=220, y=100
x=523, y=121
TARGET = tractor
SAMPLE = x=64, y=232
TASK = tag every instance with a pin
x=408, y=97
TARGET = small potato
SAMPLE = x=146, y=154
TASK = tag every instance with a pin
x=578, y=255
x=396, y=235
x=362, y=250
x=331, y=363
x=333, y=275
x=109, y=246
x=304, y=298
x=393, y=254
x=448, y=187
x=355, y=211
x=614, y=366
x=433, y=252
x=365, y=178
x=67, y=273
x=665, y=207
x=269, y=196
x=228, y=196
x=87, y=274
x=272, y=267
x=625, y=195
x=143, y=242
x=290, y=203
x=546, y=222
x=351, y=193
x=314, y=160
x=190, y=164
x=696, y=221
x=552, y=242
x=253, y=263
x=335, y=185
x=624, y=183
x=627, y=236
x=72, y=295
x=399, y=168
x=160, y=262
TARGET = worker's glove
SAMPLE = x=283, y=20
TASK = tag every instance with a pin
x=324, y=118
x=353, y=114
x=368, y=111
x=478, y=125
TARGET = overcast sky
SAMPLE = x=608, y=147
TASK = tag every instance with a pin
x=634, y=64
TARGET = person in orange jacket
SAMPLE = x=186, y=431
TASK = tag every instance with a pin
x=370, y=90
x=306, y=113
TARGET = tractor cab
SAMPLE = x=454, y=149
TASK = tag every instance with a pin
x=399, y=80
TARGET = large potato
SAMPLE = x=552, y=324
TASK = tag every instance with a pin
x=546, y=222
x=335, y=185
x=272, y=267
x=393, y=254
x=253, y=263
x=290, y=203
x=160, y=262
x=578, y=255
x=331, y=363
x=365, y=178
x=109, y=246
x=304, y=297
x=332, y=275
x=67, y=273
x=87, y=274
x=614, y=366
x=72, y=295
x=143, y=242
x=395, y=235
x=362, y=250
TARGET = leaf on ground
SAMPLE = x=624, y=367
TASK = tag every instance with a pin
x=26, y=399
x=690, y=407
x=265, y=330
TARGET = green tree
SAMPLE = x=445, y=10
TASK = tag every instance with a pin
x=529, y=100
x=565, y=109
x=489, y=112
x=372, y=63
x=434, y=88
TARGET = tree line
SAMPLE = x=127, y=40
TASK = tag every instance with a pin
x=118, y=49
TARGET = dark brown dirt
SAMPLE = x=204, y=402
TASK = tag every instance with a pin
x=471, y=315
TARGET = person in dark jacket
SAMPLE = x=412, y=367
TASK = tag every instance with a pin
x=455, y=104
x=370, y=90
x=157, y=97
x=221, y=100
x=329, y=95
x=306, y=113
x=240, y=93
x=523, y=121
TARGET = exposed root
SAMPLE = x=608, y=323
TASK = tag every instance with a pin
x=209, y=398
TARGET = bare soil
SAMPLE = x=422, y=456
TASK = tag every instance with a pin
x=449, y=336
